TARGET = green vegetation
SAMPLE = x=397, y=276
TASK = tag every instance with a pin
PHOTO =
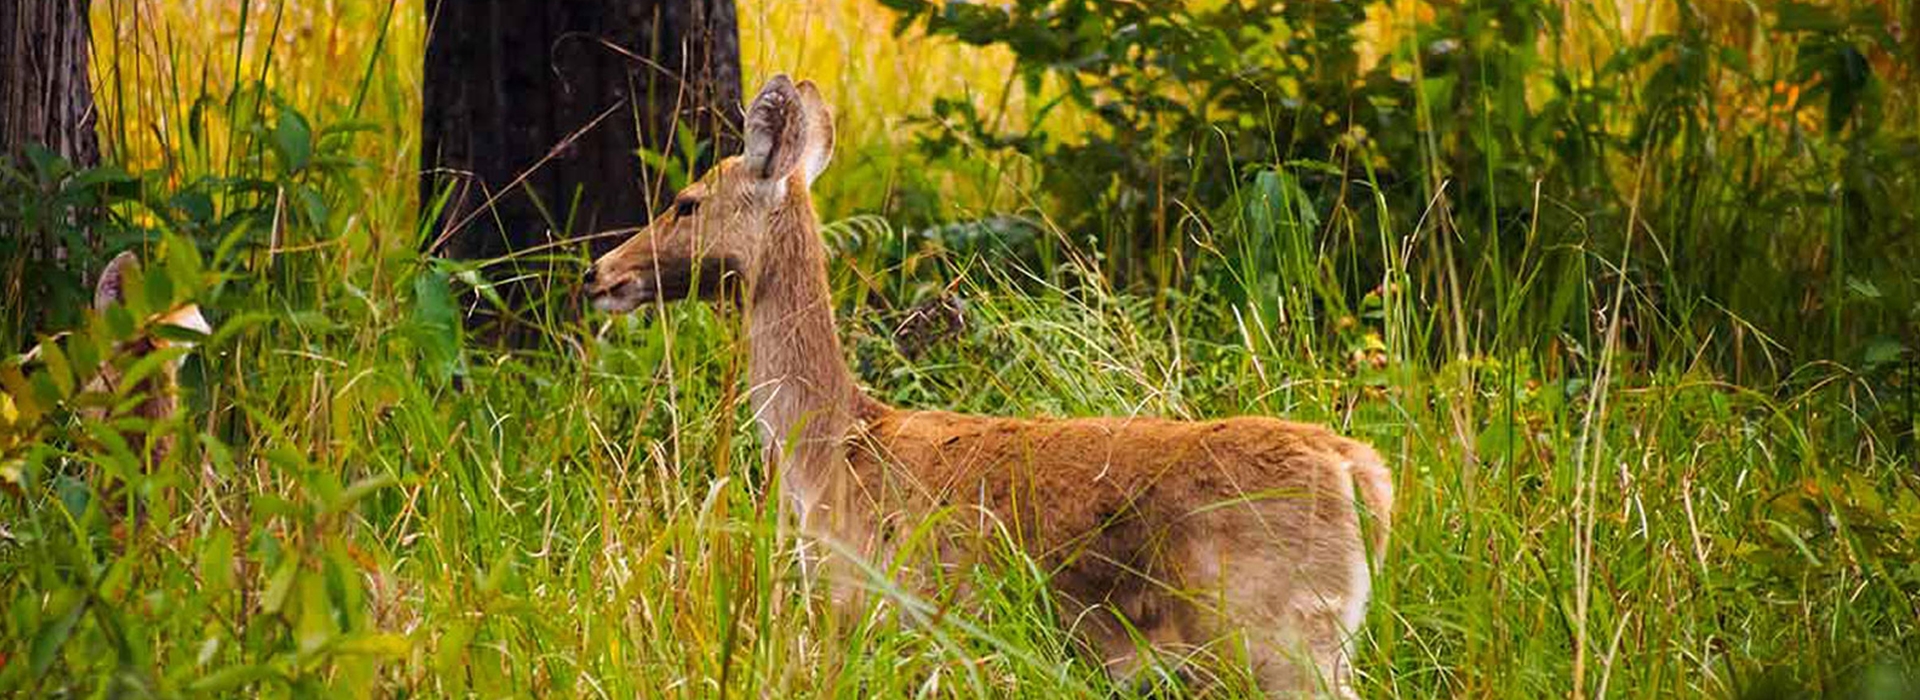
x=1630, y=309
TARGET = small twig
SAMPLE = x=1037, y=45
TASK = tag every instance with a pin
x=522, y=177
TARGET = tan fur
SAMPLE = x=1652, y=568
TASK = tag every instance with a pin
x=1238, y=539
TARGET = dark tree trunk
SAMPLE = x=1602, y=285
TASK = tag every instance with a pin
x=44, y=94
x=45, y=100
x=539, y=106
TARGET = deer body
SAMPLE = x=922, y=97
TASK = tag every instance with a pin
x=1236, y=538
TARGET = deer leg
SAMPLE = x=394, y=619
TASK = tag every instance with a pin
x=1128, y=641
x=1291, y=618
x=1297, y=646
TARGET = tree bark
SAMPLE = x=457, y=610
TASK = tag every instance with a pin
x=45, y=100
x=534, y=111
x=45, y=97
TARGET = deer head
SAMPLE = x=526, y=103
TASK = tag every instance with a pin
x=111, y=290
x=717, y=230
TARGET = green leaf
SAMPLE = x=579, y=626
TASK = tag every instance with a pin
x=119, y=322
x=119, y=578
x=84, y=355
x=110, y=179
x=217, y=453
x=233, y=326
x=280, y=584
x=449, y=658
x=49, y=166
x=674, y=170
x=292, y=141
x=360, y=489
x=479, y=283
x=196, y=205
x=1882, y=351
x=21, y=394
x=159, y=291
x=435, y=323
x=73, y=494
x=287, y=458
x=1498, y=440
x=179, y=334
x=197, y=117
x=57, y=368
x=315, y=206
x=146, y=366
x=54, y=631
x=315, y=626
x=133, y=293
x=216, y=564
x=183, y=262
x=45, y=391
x=313, y=322
x=267, y=505
x=388, y=645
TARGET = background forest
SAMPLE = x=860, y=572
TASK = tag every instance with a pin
x=1628, y=294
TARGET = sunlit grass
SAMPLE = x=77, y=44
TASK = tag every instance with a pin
x=157, y=58
x=874, y=79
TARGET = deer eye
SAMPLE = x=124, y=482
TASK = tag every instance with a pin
x=685, y=207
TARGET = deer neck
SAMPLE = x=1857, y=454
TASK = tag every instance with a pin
x=804, y=397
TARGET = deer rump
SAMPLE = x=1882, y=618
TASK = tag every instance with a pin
x=1190, y=531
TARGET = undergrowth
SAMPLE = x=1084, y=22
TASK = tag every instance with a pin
x=1595, y=498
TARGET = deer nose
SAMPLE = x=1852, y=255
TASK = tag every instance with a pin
x=586, y=278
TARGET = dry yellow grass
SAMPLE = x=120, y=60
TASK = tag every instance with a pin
x=874, y=79
x=155, y=58
x=322, y=47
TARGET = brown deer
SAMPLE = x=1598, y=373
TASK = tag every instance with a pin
x=159, y=391
x=1250, y=538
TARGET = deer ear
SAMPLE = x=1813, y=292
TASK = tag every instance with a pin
x=110, y=289
x=819, y=146
x=776, y=131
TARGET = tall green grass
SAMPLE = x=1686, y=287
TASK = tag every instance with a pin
x=397, y=509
